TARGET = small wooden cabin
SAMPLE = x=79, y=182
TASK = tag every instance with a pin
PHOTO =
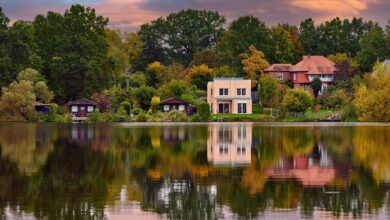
x=81, y=108
x=170, y=104
x=42, y=108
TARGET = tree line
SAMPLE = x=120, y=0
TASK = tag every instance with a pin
x=78, y=55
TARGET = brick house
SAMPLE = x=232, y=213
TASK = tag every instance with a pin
x=302, y=73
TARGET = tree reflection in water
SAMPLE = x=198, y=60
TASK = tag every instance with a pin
x=193, y=171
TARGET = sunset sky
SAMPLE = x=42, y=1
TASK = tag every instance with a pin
x=129, y=14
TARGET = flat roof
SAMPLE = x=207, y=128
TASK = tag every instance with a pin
x=229, y=78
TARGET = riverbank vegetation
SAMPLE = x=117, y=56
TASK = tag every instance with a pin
x=76, y=55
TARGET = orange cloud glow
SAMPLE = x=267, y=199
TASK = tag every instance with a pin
x=332, y=8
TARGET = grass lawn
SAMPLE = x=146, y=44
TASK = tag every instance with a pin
x=312, y=116
x=241, y=117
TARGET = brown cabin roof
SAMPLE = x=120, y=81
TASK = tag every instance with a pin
x=315, y=65
x=82, y=102
x=173, y=101
x=279, y=67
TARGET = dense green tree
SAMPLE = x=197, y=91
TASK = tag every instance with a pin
x=198, y=29
x=316, y=85
x=206, y=56
x=267, y=89
x=283, y=49
x=242, y=33
x=174, y=88
x=143, y=96
x=18, y=49
x=118, y=58
x=137, y=79
x=308, y=36
x=73, y=48
x=374, y=46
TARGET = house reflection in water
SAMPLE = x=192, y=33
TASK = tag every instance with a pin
x=313, y=170
x=97, y=136
x=229, y=144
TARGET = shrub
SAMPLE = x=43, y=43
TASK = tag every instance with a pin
x=337, y=99
x=177, y=116
x=296, y=101
x=136, y=111
x=349, y=113
x=141, y=117
x=126, y=106
x=203, y=110
x=196, y=118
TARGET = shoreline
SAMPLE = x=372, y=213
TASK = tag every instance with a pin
x=261, y=124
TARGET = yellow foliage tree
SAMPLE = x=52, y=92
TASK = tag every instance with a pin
x=200, y=75
x=159, y=73
x=254, y=63
x=373, y=95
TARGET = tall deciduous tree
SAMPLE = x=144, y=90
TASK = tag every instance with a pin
x=267, y=89
x=308, y=36
x=316, y=85
x=242, y=33
x=283, y=50
x=254, y=63
x=180, y=35
x=373, y=95
x=18, y=49
x=73, y=48
x=374, y=46
x=199, y=76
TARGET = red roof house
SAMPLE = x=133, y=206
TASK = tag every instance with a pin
x=305, y=71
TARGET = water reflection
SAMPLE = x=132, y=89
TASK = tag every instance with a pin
x=229, y=144
x=212, y=171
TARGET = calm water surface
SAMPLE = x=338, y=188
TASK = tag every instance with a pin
x=194, y=171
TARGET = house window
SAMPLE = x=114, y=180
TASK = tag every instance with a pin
x=90, y=108
x=241, y=108
x=241, y=92
x=305, y=87
x=324, y=88
x=223, y=91
x=181, y=107
x=211, y=92
x=295, y=76
x=279, y=76
x=241, y=149
x=75, y=109
x=166, y=108
x=223, y=149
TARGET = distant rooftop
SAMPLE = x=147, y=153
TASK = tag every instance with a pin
x=229, y=78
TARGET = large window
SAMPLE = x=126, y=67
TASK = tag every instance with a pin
x=223, y=91
x=75, y=109
x=90, y=108
x=241, y=108
x=241, y=92
x=279, y=76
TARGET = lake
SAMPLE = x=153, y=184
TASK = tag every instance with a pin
x=194, y=171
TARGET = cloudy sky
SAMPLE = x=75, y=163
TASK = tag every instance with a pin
x=129, y=14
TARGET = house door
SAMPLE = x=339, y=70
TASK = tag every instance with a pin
x=82, y=111
x=223, y=108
